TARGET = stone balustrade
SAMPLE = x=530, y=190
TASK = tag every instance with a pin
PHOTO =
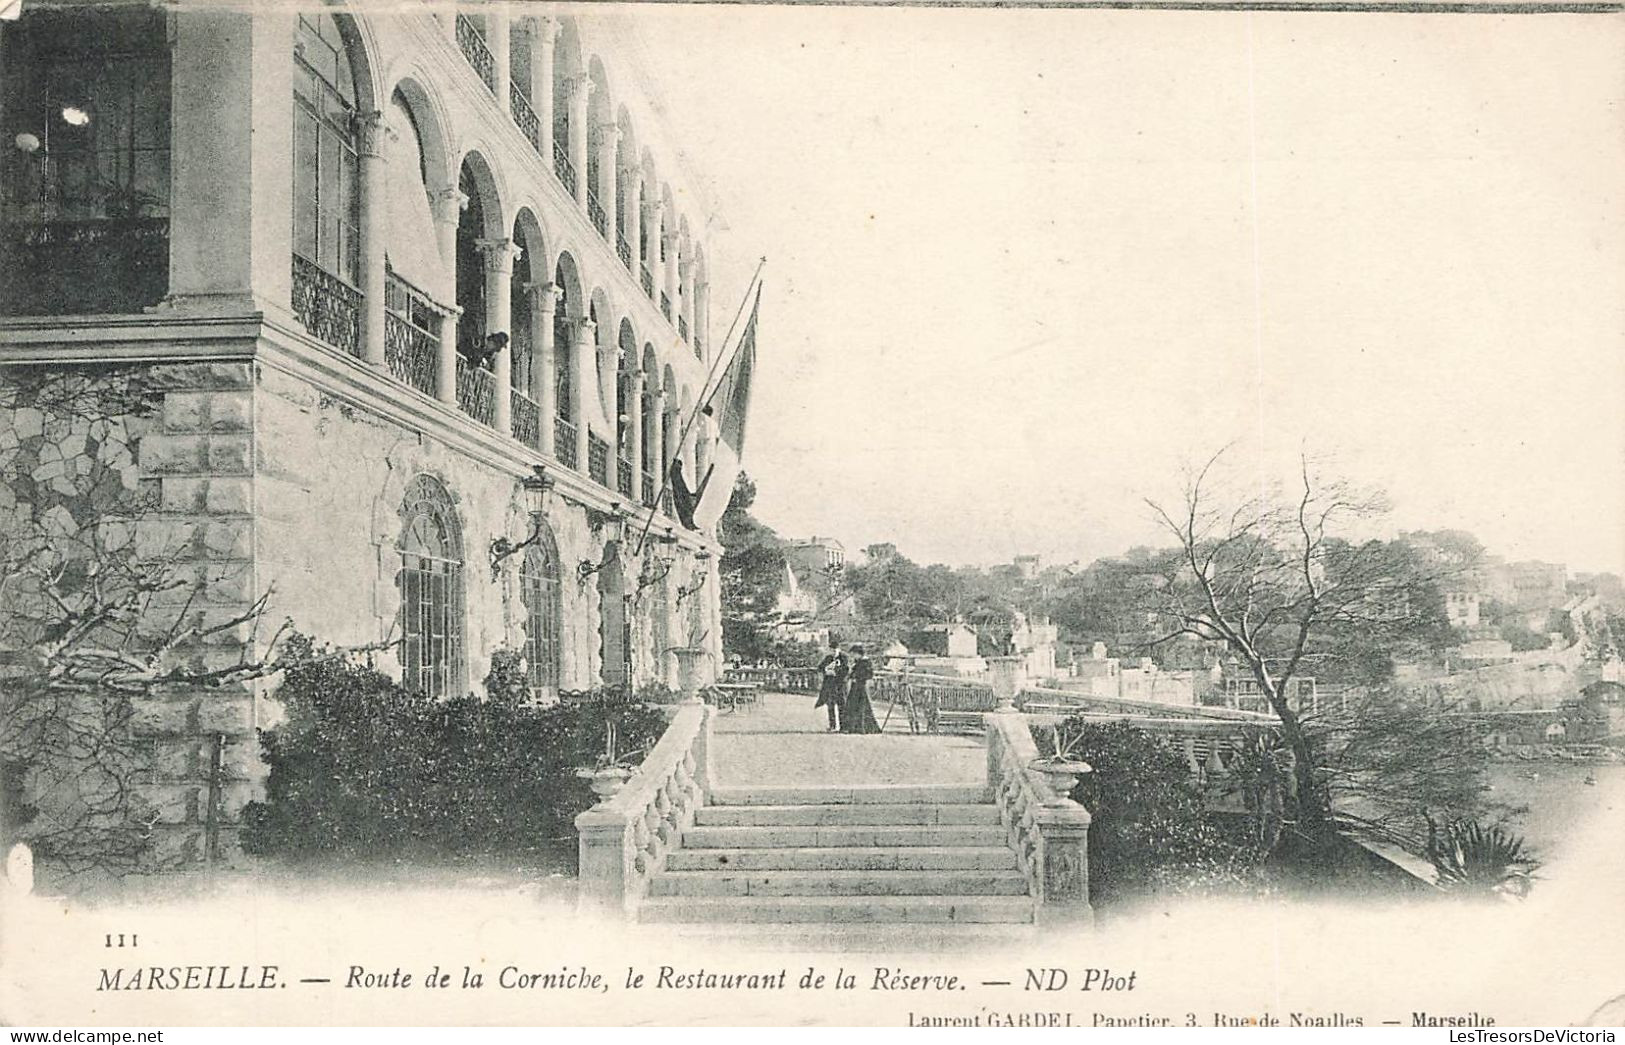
x=1048, y=831
x=625, y=838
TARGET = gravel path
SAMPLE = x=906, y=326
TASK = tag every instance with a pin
x=783, y=740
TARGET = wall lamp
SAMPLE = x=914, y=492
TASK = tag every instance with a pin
x=694, y=587
x=533, y=488
x=598, y=521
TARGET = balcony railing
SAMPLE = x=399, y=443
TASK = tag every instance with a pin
x=564, y=442
x=699, y=346
x=648, y=281
x=56, y=268
x=329, y=308
x=476, y=391
x=682, y=327
x=665, y=305
x=527, y=417
x=665, y=502
x=648, y=489
x=411, y=334
x=623, y=477
x=562, y=167
x=624, y=249
x=595, y=211
x=472, y=41
x=524, y=117
x=597, y=459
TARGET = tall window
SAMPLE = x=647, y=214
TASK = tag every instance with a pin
x=326, y=171
x=431, y=584
x=539, y=591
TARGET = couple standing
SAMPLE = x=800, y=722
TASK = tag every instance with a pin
x=844, y=690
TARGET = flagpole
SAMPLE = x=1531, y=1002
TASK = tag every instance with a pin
x=665, y=470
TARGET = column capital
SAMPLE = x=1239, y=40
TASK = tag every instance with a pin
x=545, y=28
x=448, y=204
x=633, y=174
x=499, y=254
x=580, y=85
x=609, y=133
x=636, y=376
x=652, y=208
x=371, y=131
x=546, y=295
x=588, y=326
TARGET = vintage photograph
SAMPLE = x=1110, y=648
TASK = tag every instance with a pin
x=1102, y=515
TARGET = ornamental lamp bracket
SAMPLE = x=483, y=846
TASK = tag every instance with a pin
x=533, y=491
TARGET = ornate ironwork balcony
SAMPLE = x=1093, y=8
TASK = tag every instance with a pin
x=648, y=489
x=665, y=305
x=699, y=346
x=562, y=167
x=524, y=116
x=564, y=442
x=57, y=268
x=479, y=56
x=682, y=327
x=527, y=416
x=597, y=459
x=624, y=249
x=623, y=477
x=411, y=334
x=329, y=308
x=648, y=281
x=476, y=391
x=595, y=211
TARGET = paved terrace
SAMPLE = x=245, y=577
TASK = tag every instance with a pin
x=782, y=740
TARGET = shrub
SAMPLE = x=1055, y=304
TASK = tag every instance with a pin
x=362, y=765
x=1149, y=831
x=1472, y=859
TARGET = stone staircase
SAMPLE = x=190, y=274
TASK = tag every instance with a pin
x=841, y=863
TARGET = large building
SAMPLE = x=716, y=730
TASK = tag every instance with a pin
x=410, y=289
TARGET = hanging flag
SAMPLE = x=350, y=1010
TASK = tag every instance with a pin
x=730, y=405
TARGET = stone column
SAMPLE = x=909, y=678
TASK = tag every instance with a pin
x=496, y=38
x=585, y=359
x=499, y=255
x=685, y=291
x=448, y=20
x=659, y=439
x=543, y=379
x=634, y=430
x=668, y=281
x=609, y=137
x=448, y=209
x=1063, y=859
x=545, y=30
x=374, y=207
x=652, y=212
x=580, y=93
x=633, y=207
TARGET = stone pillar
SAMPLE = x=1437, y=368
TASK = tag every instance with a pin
x=658, y=439
x=448, y=20
x=609, y=137
x=634, y=430
x=580, y=93
x=633, y=207
x=545, y=30
x=374, y=207
x=685, y=289
x=448, y=209
x=652, y=214
x=1008, y=678
x=543, y=379
x=1063, y=858
x=585, y=360
x=499, y=255
x=668, y=280
x=496, y=38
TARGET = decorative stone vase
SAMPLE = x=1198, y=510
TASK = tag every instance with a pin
x=1061, y=774
x=691, y=662
x=606, y=781
x=1007, y=675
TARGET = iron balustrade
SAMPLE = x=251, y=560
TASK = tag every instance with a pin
x=411, y=334
x=56, y=268
x=648, y=489
x=699, y=346
x=648, y=281
x=624, y=249
x=665, y=305
x=527, y=416
x=595, y=211
x=524, y=117
x=597, y=459
x=475, y=49
x=329, y=308
x=682, y=327
x=476, y=391
x=623, y=477
x=564, y=442
x=562, y=167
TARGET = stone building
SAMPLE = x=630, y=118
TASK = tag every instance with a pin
x=410, y=285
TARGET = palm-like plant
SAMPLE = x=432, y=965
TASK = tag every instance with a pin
x=1472, y=858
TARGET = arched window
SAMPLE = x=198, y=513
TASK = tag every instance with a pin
x=539, y=591
x=326, y=185
x=431, y=586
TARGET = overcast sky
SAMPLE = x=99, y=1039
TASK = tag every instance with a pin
x=1022, y=265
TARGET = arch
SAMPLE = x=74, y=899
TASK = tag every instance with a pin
x=428, y=122
x=431, y=590
x=614, y=642
x=566, y=67
x=479, y=220
x=566, y=313
x=604, y=333
x=482, y=183
x=326, y=165
x=626, y=173
x=540, y=592
x=527, y=262
x=626, y=364
x=651, y=417
x=599, y=123
x=701, y=318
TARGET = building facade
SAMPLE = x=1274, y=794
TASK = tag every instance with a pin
x=411, y=289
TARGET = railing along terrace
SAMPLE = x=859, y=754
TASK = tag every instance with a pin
x=647, y=279
x=595, y=211
x=936, y=703
x=1049, y=831
x=329, y=308
x=564, y=442
x=1043, y=698
x=475, y=49
x=524, y=116
x=777, y=680
x=476, y=391
x=665, y=305
x=699, y=346
x=624, y=250
x=411, y=334
x=563, y=168
x=55, y=268
x=623, y=840
x=682, y=327
x=597, y=459
x=648, y=489
x=1210, y=746
x=623, y=477
x=526, y=416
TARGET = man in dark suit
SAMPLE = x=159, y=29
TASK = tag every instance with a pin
x=832, y=689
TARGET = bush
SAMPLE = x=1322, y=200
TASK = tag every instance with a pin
x=362, y=765
x=1150, y=832
x=1472, y=859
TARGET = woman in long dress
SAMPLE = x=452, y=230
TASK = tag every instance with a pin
x=858, y=716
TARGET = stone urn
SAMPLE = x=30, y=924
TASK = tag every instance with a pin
x=1008, y=676
x=691, y=664
x=1060, y=773
x=606, y=781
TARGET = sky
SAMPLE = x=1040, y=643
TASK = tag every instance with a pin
x=1025, y=266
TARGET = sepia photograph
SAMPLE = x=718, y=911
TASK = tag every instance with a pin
x=933, y=514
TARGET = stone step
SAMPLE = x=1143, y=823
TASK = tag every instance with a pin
x=848, y=815
x=843, y=909
x=882, y=794
x=771, y=837
x=844, y=858
x=894, y=940
x=839, y=883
